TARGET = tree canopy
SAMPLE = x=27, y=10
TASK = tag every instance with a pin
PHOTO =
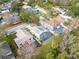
x=73, y=8
x=3, y=1
x=16, y=6
x=65, y=46
x=29, y=17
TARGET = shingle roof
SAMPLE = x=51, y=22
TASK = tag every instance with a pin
x=5, y=50
x=23, y=37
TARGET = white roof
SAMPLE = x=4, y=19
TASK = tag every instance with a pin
x=23, y=37
x=66, y=17
x=58, y=9
x=20, y=34
x=37, y=30
x=5, y=11
x=26, y=7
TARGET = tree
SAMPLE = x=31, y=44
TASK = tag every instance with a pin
x=31, y=3
x=61, y=47
x=4, y=1
x=29, y=17
x=2, y=32
x=16, y=6
x=50, y=50
x=45, y=53
x=9, y=40
x=62, y=55
x=73, y=8
x=70, y=44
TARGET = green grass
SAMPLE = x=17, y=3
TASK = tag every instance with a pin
x=9, y=40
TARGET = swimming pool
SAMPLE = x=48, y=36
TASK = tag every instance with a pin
x=45, y=36
x=61, y=30
x=58, y=28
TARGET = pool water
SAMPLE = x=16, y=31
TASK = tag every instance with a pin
x=45, y=36
x=61, y=30
x=58, y=28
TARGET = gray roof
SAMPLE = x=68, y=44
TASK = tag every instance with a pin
x=5, y=51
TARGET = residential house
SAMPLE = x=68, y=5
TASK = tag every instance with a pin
x=62, y=10
x=26, y=7
x=5, y=8
x=61, y=1
x=26, y=0
x=66, y=18
x=10, y=18
x=4, y=11
x=5, y=51
x=6, y=5
x=54, y=25
x=25, y=43
x=23, y=37
x=40, y=32
x=29, y=8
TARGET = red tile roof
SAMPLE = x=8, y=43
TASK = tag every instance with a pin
x=56, y=21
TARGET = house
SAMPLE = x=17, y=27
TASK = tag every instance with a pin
x=25, y=42
x=26, y=7
x=10, y=18
x=23, y=37
x=5, y=51
x=29, y=8
x=26, y=0
x=40, y=32
x=62, y=10
x=66, y=18
x=6, y=5
x=4, y=11
x=54, y=25
x=51, y=23
x=61, y=1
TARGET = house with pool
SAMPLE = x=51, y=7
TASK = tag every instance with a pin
x=40, y=32
x=54, y=25
x=24, y=42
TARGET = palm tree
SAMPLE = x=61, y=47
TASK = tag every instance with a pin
x=70, y=44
